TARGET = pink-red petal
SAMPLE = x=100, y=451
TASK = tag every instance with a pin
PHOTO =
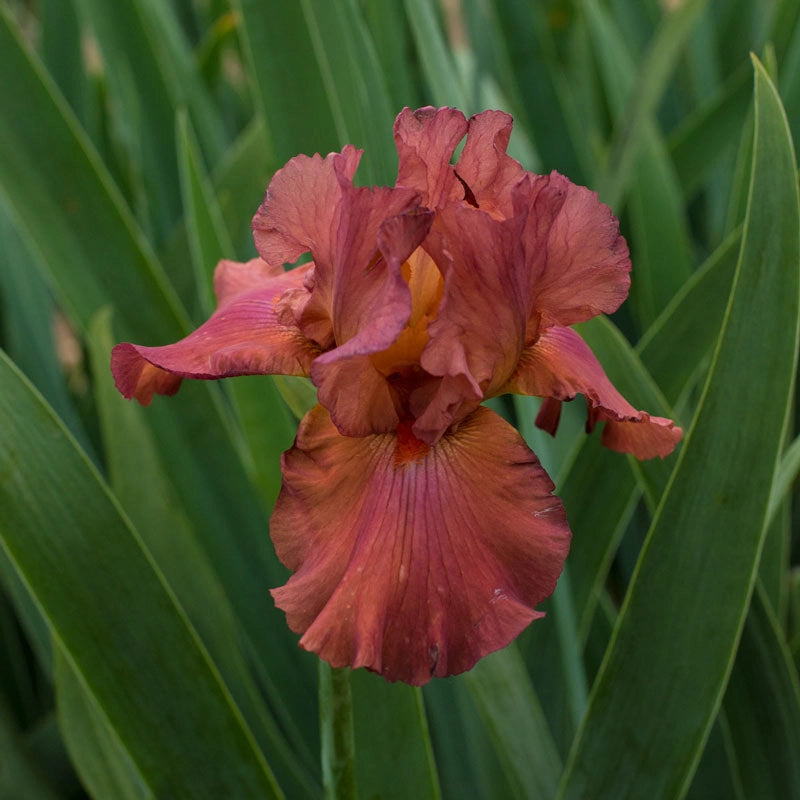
x=243, y=337
x=559, y=366
x=380, y=229
x=358, y=302
x=371, y=307
x=485, y=167
x=410, y=560
x=577, y=260
x=301, y=208
x=478, y=334
x=426, y=139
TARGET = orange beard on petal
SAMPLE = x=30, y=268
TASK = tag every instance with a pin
x=408, y=448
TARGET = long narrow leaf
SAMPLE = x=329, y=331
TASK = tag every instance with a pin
x=20, y=776
x=149, y=63
x=444, y=82
x=666, y=669
x=289, y=88
x=763, y=707
x=394, y=757
x=700, y=140
x=655, y=70
x=683, y=333
x=143, y=488
x=104, y=764
x=112, y=614
x=62, y=196
x=660, y=242
x=354, y=84
x=513, y=716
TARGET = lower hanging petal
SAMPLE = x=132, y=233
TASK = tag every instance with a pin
x=410, y=559
x=244, y=336
x=560, y=365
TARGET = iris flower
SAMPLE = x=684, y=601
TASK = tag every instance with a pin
x=421, y=530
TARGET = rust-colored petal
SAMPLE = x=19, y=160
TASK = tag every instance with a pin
x=478, y=334
x=372, y=304
x=485, y=167
x=303, y=211
x=559, y=366
x=300, y=211
x=577, y=260
x=426, y=139
x=244, y=336
x=412, y=560
x=312, y=206
x=358, y=302
x=370, y=299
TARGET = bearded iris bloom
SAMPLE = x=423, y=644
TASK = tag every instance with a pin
x=421, y=530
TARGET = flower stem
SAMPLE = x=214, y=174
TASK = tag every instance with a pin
x=336, y=732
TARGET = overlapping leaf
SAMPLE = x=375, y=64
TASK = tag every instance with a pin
x=650, y=705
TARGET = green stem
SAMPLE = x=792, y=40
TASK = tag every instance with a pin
x=336, y=732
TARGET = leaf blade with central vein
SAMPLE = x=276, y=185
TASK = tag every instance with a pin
x=672, y=650
x=113, y=615
x=61, y=196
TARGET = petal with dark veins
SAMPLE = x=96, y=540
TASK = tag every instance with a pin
x=413, y=560
x=577, y=259
x=559, y=366
x=486, y=168
x=242, y=337
x=426, y=139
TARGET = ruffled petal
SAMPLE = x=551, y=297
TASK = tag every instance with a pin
x=485, y=167
x=478, y=334
x=577, y=260
x=300, y=211
x=371, y=307
x=244, y=336
x=410, y=560
x=559, y=366
x=232, y=278
x=370, y=298
x=426, y=139
x=303, y=211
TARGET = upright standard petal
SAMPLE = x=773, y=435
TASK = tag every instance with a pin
x=488, y=172
x=300, y=210
x=426, y=139
x=244, y=336
x=372, y=304
x=559, y=366
x=358, y=301
x=413, y=560
x=478, y=334
x=577, y=260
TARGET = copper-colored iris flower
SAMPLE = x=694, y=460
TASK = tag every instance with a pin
x=421, y=530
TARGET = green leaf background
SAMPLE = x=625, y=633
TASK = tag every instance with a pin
x=140, y=653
